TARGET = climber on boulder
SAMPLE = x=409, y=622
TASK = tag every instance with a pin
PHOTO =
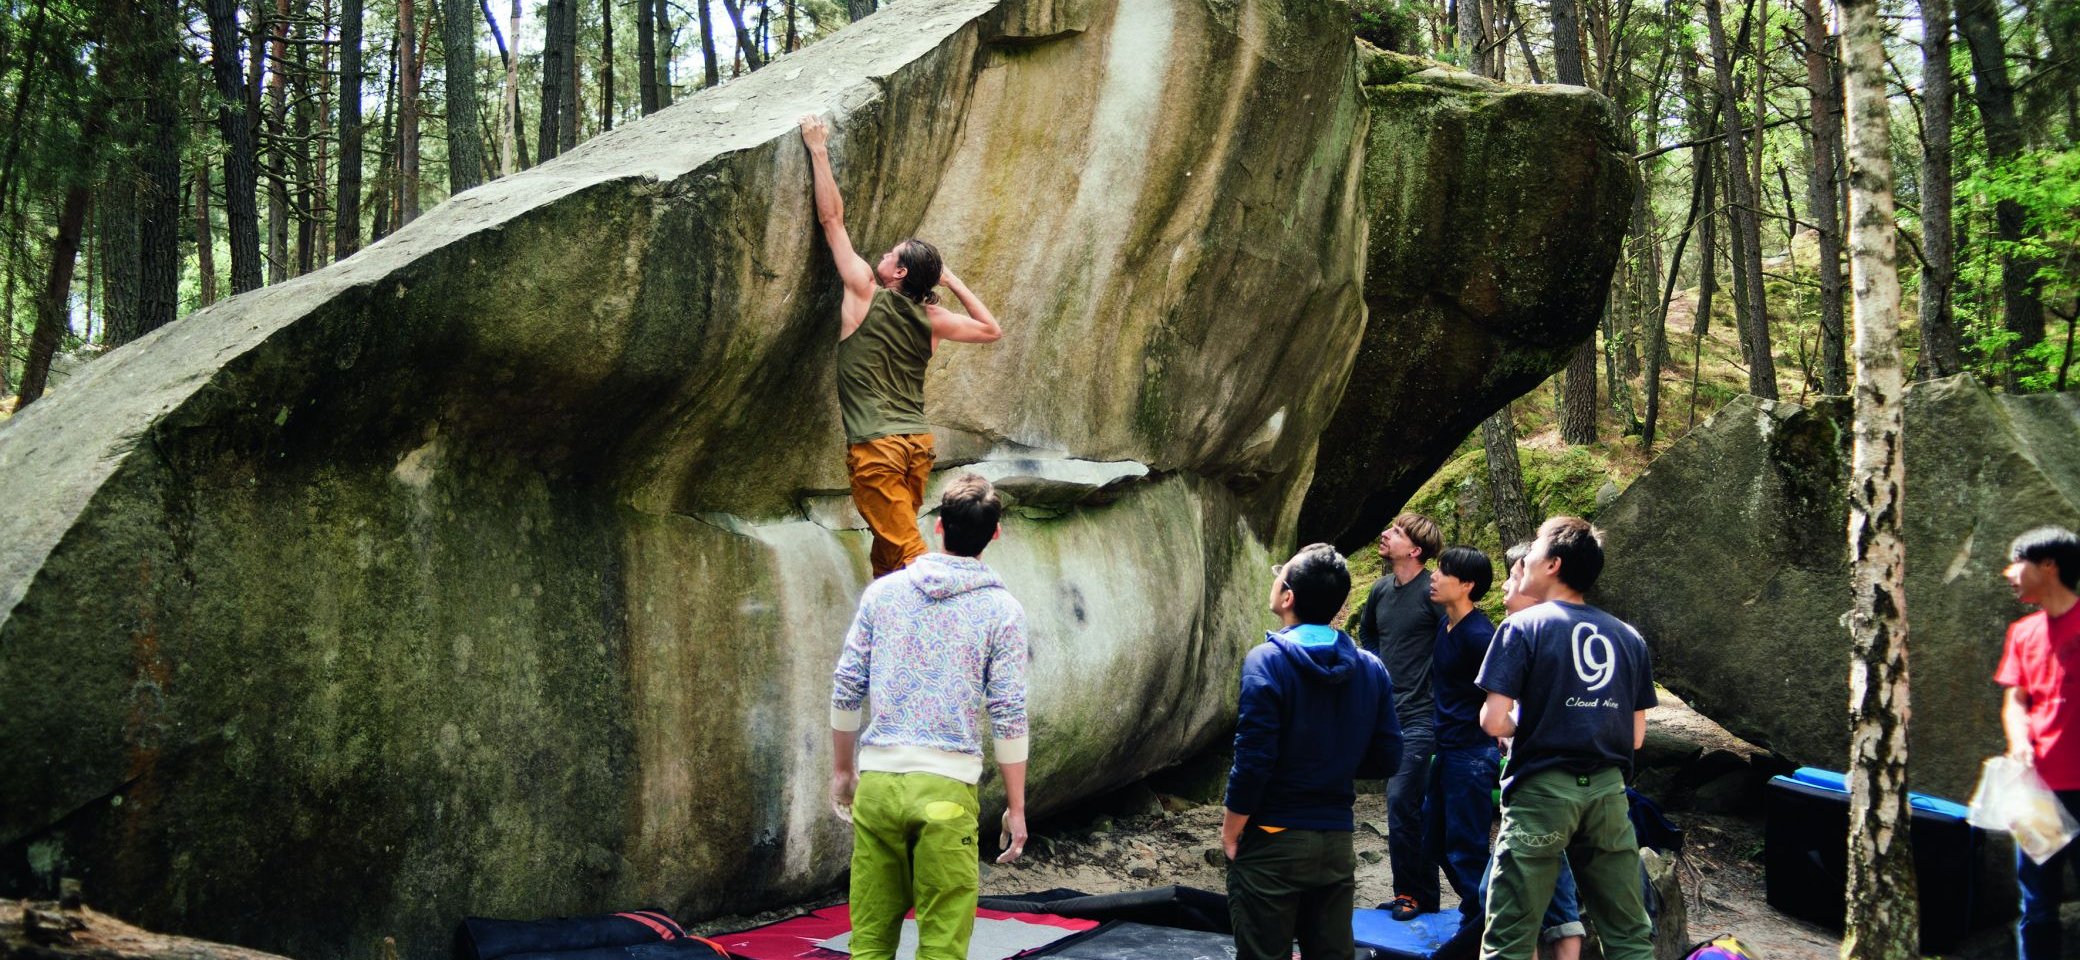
x=890, y=324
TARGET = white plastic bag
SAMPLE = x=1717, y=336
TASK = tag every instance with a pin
x=2011, y=798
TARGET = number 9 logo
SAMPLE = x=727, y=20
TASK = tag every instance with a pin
x=1595, y=660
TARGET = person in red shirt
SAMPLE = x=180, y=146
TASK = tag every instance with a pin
x=2041, y=713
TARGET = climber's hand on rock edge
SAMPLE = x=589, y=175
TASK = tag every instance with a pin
x=815, y=133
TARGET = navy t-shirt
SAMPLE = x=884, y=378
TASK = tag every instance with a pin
x=1454, y=663
x=1578, y=674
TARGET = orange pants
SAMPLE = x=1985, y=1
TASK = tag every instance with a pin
x=888, y=475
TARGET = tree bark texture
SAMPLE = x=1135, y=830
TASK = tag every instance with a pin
x=1942, y=353
x=53, y=308
x=713, y=71
x=347, y=231
x=858, y=10
x=1578, y=402
x=235, y=118
x=606, y=65
x=646, y=57
x=1567, y=44
x=567, y=109
x=205, y=238
x=277, y=145
x=555, y=73
x=1979, y=22
x=746, y=48
x=1762, y=367
x=459, y=43
x=1821, y=199
x=408, y=113
x=1882, y=910
x=1513, y=516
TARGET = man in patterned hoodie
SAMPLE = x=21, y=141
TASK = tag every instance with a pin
x=934, y=646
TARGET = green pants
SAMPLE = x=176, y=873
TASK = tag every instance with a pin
x=913, y=846
x=1293, y=884
x=1543, y=816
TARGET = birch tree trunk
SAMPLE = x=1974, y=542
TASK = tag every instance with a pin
x=1882, y=911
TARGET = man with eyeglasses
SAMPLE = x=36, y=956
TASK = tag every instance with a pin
x=1316, y=713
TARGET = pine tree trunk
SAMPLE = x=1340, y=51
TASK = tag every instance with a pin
x=1747, y=240
x=555, y=73
x=666, y=53
x=277, y=146
x=235, y=118
x=459, y=43
x=205, y=238
x=1657, y=330
x=713, y=71
x=745, y=48
x=121, y=286
x=646, y=57
x=1883, y=917
x=858, y=10
x=1513, y=516
x=322, y=213
x=1578, y=396
x=509, y=128
x=1820, y=196
x=567, y=95
x=408, y=113
x=53, y=313
x=385, y=198
x=1941, y=351
x=1979, y=22
x=1567, y=47
x=606, y=65
x=300, y=152
x=347, y=231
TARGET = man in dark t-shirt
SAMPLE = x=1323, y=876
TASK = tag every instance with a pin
x=1398, y=624
x=1584, y=682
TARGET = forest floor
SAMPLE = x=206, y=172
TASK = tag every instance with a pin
x=1140, y=838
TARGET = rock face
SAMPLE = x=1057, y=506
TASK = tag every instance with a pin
x=1730, y=555
x=1495, y=215
x=500, y=568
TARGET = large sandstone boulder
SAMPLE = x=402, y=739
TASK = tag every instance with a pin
x=1731, y=555
x=1495, y=215
x=500, y=568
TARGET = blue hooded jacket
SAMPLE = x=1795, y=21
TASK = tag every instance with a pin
x=1316, y=714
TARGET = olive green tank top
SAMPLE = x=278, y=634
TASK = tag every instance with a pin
x=881, y=370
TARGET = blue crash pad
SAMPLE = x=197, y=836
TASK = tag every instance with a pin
x=1412, y=939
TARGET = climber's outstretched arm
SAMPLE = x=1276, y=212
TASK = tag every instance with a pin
x=830, y=212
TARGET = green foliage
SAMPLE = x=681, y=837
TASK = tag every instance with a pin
x=1388, y=24
x=2046, y=185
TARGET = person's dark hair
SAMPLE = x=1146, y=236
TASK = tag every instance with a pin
x=1516, y=552
x=1470, y=565
x=2056, y=544
x=1579, y=548
x=968, y=510
x=1421, y=531
x=1320, y=583
x=922, y=261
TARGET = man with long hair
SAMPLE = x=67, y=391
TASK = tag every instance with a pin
x=889, y=326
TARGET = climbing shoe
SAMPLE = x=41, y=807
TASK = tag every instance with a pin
x=1403, y=906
